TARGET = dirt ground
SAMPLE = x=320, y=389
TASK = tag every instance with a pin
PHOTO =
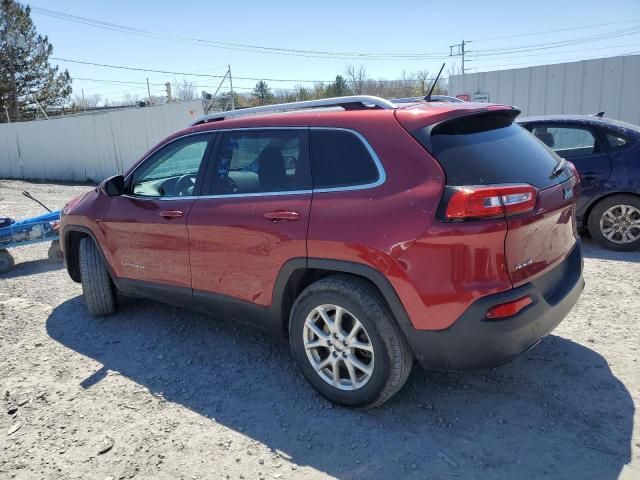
x=157, y=392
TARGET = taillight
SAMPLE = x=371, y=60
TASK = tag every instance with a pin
x=490, y=201
x=572, y=168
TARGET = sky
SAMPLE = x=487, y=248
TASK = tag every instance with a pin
x=406, y=35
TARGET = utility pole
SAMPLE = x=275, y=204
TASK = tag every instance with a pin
x=459, y=52
x=148, y=90
x=168, y=87
x=10, y=39
x=84, y=102
x=233, y=97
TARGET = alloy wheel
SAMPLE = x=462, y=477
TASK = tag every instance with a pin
x=621, y=224
x=338, y=347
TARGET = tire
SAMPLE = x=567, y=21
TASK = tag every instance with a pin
x=99, y=292
x=55, y=252
x=389, y=362
x=6, y=261
x=624, y=209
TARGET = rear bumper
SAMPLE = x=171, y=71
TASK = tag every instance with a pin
x=475, y=342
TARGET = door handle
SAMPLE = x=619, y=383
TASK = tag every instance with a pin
x=282, y=216
x=171, y=214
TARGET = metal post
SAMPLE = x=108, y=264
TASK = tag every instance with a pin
x=233, y=97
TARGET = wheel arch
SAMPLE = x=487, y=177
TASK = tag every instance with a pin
x=72, y=235
x=592, y=205
x=299, y=273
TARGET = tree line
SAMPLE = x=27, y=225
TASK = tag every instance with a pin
x=355, y=81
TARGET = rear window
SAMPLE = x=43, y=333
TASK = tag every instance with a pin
x=488, y=149
x=340, y=159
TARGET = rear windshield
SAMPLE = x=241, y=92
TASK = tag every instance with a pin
x=489, y=148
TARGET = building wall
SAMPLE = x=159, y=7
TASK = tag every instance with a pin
x=88, y=147
x=609, y=84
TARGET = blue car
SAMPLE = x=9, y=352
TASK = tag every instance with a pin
x=607, y=155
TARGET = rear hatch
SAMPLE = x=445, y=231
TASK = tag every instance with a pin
x=496, y=169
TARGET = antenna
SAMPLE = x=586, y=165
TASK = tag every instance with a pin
x=433, y=85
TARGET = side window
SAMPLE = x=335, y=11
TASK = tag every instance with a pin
x=568, y=142
x=340, y=159
x=262, y=161
x=171, y=171
x=617, y=141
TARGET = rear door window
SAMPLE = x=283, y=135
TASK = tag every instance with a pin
x=262, y=161
x=488, y=149
x=568, y=142
x=339, y=158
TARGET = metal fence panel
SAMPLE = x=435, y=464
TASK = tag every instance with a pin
x=605, y=84
x=88, y=147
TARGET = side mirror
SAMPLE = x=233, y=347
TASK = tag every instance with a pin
x=114, y=186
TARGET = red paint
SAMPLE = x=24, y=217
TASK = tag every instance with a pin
x=236, y=251
x=237, y=246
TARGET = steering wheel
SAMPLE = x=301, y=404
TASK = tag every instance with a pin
x=185, y=184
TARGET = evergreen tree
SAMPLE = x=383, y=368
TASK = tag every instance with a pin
x=25, y=73
x=339, y=88
x=262, y=93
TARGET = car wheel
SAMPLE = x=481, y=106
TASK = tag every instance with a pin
x=615, y=222
x=97, y=287
x=6, y=261
x=347, y=343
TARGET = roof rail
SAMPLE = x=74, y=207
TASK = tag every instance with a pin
x=354, y=102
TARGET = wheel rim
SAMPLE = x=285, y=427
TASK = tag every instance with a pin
x=338, y=347
x=621, y=224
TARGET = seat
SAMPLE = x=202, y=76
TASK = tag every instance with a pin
x=545, y=137
x=272, y=172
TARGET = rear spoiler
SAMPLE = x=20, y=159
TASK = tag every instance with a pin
x=460, y=121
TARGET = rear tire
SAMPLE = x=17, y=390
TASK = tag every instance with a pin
x=6, y=261
x=615, y=222
x=379, y=355
x=97, y=287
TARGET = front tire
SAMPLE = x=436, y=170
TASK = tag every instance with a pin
x=347, y=343
x=615, y=222
x=6, y=260
x=97, y=287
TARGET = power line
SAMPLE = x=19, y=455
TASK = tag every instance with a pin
x=546, y=54
x=227, y=45
x=169, y=72
x=338, y=54
x=565, y=43
x=554, y=31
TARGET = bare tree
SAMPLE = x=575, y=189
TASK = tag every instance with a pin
x=422, y=76
x=185, y=91
x=357, y=77
x=89, y=101
x=407, y=85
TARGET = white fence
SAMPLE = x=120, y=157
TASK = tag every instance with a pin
x=610, y=84
x=88, y=147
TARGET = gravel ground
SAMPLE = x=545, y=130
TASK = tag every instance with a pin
x=157, y=392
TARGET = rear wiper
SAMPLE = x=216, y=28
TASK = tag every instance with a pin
x=557, y=170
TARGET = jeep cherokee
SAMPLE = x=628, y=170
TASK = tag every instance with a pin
x=368, y=232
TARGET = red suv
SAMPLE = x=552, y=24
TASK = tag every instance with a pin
x=371, y=234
